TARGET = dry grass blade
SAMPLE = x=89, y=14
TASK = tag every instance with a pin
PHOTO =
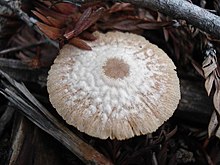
x=19, y=95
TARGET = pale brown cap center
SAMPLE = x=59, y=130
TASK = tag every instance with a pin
x=116, y=68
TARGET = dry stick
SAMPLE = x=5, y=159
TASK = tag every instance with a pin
x=182, y=9
x=29, y=21
x=19, y=95
x=178, y=9
x=14, y=49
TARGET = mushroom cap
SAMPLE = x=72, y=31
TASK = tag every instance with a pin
x=124, y=87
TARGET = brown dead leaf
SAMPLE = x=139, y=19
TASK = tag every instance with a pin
x=216, y=97
x=79, y=43
x=120, y=7
x=87, y=36
x=209, y=65
x=56, y=22
x=153, y=25
x=88, y=18
x=65, y=8
x=209, y=83
x=126, y=25
x=48, y=12
x=213, y=124
x=51, y=32
x=42, y=17
x=218, y=132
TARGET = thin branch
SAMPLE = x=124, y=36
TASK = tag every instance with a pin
x=178, y=9
x=182, y=9
x=14, y=49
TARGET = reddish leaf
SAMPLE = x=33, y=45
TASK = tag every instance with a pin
x=48, y=12
x=88, y=18
x=80, y=44
x=56, y=22
x=79, y=24
x=120, y=7
x=65, y=8
x=42, y=17
x=51, y=32
x=153, y=25
x=127, y=25
x=87, y=36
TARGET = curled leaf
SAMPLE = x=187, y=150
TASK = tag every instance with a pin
x=209, y=65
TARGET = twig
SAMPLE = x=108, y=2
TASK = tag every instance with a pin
x=21, y=72
x=29, y=21
x=178, y=9
x=182, y=9
x=5, y=118
x=14, y=49
x=19, y=95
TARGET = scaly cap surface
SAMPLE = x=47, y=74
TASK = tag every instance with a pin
x=124, y=87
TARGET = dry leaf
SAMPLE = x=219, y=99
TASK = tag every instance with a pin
x=213, y=124
x=88, y=18
x=51, y=32
x=209, y=65
x=209, y=83
x=120, y=7
x=153, y=25
x=127, y=25
x=42, y=17
x=87, y=36
x=65, y=8
x=216, y=97
x=218, y=132
x=79, y=43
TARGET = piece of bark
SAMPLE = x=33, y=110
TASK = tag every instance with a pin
x=33, y=147
x=195, y=105
x=21, y=72
x=19, y=95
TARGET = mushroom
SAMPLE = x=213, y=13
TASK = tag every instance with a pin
x=123, y=88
